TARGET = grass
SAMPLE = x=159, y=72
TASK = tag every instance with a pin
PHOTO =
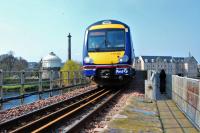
x=26, y=87
x=15, y=87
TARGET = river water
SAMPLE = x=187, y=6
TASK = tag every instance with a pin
x=26, y=100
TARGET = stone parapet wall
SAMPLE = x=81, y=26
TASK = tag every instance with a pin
x=186, y=94
x=169, y=85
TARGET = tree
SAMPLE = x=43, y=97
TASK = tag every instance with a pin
x=10, y=63
x=21, y=64
x=70, y=67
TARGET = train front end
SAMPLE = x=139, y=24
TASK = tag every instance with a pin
x=108, y=53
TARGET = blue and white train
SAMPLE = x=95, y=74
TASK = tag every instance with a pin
x=108, y=53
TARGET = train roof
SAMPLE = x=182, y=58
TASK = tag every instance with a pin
x=108, y=21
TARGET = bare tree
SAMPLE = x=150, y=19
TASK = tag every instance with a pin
x=10, y=63
x=21, y=64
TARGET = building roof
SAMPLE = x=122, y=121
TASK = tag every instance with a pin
x=188, y=59
x=51, y=61
x=51, y=57
x=157, y=58
x=168, y=59
x=179, y=59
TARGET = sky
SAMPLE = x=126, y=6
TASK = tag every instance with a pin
x=34, y=28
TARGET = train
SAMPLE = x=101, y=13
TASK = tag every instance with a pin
x=108, y=53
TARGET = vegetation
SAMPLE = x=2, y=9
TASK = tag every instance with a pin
x=16, y=87
x=17, y=81
x=10, y=63
x=33, y=87
x=70, y=66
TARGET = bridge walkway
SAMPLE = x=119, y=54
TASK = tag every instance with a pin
x=141, y=115
x=171, y=117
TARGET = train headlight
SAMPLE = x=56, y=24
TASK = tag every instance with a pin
x=88, y=60
x=123, y=59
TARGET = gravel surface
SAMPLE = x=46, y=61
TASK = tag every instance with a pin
x=24, y=109
x=101, y=119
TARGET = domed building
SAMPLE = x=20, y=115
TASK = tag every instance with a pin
x=50, y=62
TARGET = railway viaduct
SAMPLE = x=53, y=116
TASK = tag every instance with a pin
x=145, y=110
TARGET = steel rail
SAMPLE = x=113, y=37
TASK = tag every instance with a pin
x=8, y=125
x=34, y=124
x=80, y=124
x=46, y=126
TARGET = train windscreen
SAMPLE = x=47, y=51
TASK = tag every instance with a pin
x=106, y=40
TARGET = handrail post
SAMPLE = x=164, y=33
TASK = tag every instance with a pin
x=60, y=82
x=68, y=78
x=60, y=79
x=82, y=77
x=22, y=81
x=51, y=82
x=40, y=84
x=1, y=88
x=40, y=81
x=79, y=77
x=75, y=77
x=22, y=91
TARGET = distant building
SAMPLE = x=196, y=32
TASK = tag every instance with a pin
x=199, y=68
x=33, y=65
x=50, y=62
x=183, y=66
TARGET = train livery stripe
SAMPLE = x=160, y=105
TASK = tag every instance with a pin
x=107, y=26
x=106, y=57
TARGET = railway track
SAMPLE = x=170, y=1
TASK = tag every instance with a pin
x=34, y=115
x=51, y=118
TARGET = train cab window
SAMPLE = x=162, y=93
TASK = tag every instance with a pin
x=106, y=40
x=96, y=40
x=115, y=39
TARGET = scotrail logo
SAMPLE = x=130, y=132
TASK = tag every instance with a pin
x=121, y=71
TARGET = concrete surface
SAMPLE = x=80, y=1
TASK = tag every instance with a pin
x=143, y=116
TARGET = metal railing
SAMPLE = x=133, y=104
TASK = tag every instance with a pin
x=37, y=82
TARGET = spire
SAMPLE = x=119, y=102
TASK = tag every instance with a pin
x=190, y=54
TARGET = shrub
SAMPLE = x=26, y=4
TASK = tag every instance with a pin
x=70, y=66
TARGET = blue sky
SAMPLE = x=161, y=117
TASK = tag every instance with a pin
x=33, y=28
